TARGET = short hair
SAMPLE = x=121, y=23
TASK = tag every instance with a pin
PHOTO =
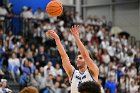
x=29, y=89
x=90, y=54
x=89, y=87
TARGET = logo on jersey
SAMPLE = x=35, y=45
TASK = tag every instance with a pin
x=78, y=77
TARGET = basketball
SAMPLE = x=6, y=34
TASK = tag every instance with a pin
x=54, y=8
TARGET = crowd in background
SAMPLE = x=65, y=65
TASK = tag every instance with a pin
x=30, y=58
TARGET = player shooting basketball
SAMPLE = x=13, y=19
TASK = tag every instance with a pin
x=88, y=70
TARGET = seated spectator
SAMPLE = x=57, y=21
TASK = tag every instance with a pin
x=133, y=87
x=58, y=70
x=3, y=87
x=13, y=66
x=57, y=88
x=27, y=69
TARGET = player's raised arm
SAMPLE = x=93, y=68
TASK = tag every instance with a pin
x=91, y=65
x=65, y=59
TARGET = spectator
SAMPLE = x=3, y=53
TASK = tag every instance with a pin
x=39, y=14
x=58, y=70
x=56, y=88
x=103, y=73
x=42, y=80
x=3, y=12
x=42, y=57
x=28, y=13
x=111, y=86
x=13, y=66
x=52, y=70
x=133, y=87
x=3, y=88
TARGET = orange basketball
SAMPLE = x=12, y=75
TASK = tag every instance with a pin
x=54, y=8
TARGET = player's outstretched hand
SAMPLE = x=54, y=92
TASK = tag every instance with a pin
x=52, y=34
x=75, y=31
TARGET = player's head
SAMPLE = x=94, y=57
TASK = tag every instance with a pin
x=89, y=87
x=80, y=62
x=29, y=89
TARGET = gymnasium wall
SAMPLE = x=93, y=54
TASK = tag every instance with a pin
x=123, y=13
x=127, y=17
x=67, y=2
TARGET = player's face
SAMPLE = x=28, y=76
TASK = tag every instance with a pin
x=80, y=62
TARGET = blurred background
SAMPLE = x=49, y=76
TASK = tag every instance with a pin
x=110, y=30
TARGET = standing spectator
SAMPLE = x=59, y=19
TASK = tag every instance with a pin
x=39, y=14
x=23, y=12
x=3, y=12
x=28, y=13
x=111, y=86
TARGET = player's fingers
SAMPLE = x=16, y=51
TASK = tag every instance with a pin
x=70, y=30
x=78, y=26
x=75, y=28
x=72, y=27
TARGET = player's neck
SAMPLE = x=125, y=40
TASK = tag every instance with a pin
x=82, y=70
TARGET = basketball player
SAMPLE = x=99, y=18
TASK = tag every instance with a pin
x=89, y=87
x=29, y=89
x=88, y=70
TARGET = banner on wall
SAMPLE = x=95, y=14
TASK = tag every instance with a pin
x=35, y=4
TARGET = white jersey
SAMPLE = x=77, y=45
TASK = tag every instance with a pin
x=78, y=78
